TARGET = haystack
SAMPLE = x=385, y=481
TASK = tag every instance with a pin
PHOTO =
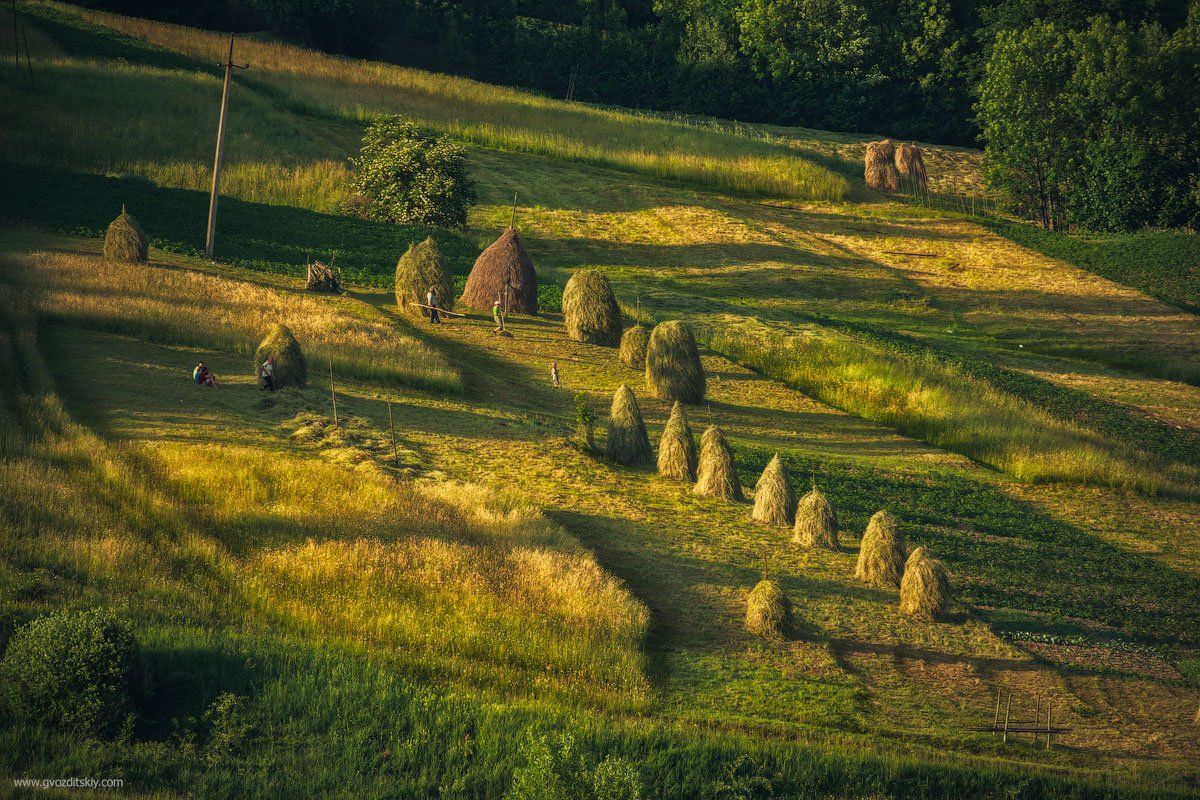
x=125, y=241
x=633, y=347
x=816, y=522
x=881, y=172
x=716, y=475
x=925, y=588
x=503, y=271
x=768, y=612
x=677, y=449
x=590, y=310
x=322, y=278
x=673, y=368
x=774, y=497
x=910, y=166
x=881, y=553
x=628, y=443
x=421, y=268
x=290, y=366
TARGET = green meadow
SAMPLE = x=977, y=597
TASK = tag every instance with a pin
x=330, y=611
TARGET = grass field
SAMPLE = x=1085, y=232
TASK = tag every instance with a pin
x=400, y=622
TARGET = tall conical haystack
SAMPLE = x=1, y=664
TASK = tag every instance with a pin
x=290, y=366
x=816, y=521
x=716, y=475
x=125, y=241
x=628, y=443
x=590, y=310
x=910, y=166
x=633, y=347
x=673, y=368
x=768, y=612
x=925, y=588
x=677, y=449
x=880, y=168
x=420, y=268
x=504, y=264
x=774, y=497
x=881, y=554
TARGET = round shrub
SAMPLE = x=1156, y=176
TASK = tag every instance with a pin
x=290, y=367
x=633, y=347
x=590, y=310
x=125, y=241
x=673, y=368
x=71, y=670
x=421, y=267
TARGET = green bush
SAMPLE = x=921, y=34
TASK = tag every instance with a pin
x=414, y=177
x=555, y=768
x=73, y=671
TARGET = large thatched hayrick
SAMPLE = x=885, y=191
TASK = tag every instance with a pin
x=910, y=166
x=880, y=166
x=590, y=310
x=503, y=271
x=673, y=367
x=125, y=241
x=421, y=268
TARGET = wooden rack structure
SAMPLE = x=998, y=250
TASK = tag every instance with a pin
x=1039, y=726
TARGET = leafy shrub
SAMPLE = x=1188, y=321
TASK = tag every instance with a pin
x=556, y=769
x=71, y=670
x=228, y=731
x=585, y=422
x=414, y=177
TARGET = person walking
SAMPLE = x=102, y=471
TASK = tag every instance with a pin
x=432, y=301
x=267, y=373
x=497, y=316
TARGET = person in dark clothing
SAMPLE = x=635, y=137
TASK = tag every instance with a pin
x=432, y=302
x=267, y=373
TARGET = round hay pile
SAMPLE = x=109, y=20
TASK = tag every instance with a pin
x=774, y=497
x=590, y=310
x=716, y=475
x=881, y=553
x=925, y=588
x=125, y=241
x=881, y=172
x=633, y=347
x=677, y=449
x=628, y=443
x=504, y=264
x=290, y=366
x=673, y=368
x=816, y=522
x=910, y=166
x=768, y=612
x=421, y=267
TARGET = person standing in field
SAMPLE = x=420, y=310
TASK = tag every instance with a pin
x=554, y=373
x=432, y=301
x=267, y=373
x=497, y=316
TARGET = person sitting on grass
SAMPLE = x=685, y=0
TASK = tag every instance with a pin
x=267, y=373
x=203, y=376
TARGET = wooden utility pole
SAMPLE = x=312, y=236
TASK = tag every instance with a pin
x=392, y=428
x=210, y=237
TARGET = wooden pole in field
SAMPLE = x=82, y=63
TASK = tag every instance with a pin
x=1007, y=709
x=211, y=235
x=16, y=41
x=28, y=60
x=333, y=394
x=392, y=428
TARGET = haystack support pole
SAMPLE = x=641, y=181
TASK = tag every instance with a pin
x=211, y=235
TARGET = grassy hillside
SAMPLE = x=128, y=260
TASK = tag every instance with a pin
x=402, y=622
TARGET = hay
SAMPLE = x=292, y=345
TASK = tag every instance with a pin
x=677, y=449
x=322, y=278
x=633, y=347
x=505, y=271
x=422, y=266
x=774, y=497
x=881, y=553
x=768, y=612
x=910, y=166
x=673, y=368
x=628, y=443
x=925, y=588
x=590, y=310
x=816, y=522
x=290, y=367
x=125, y=241
x=880, y=167
x=716, y=475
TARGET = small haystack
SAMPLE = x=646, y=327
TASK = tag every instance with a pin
x=677, y=449
x=628, y=443
x=290, y=366
x=633, y=347
x=125, y=241
x=716, y=475
x=925, y=588
x=673, y=368
x=421, y=268
x=816, y=521
x=590, y=310
x=881, y=553
x=503, y=271
x=910, y=166
x=322, y=278
x=774, y=497
x=768, y=612
x=881, y=172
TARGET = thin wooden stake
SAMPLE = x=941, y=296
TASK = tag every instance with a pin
x=28, y=60
x=392, y=428
x=1007, y=709
x=333, y=394
x=1049, y=716
x=996, y=719
x=16, y=41
x=211, y=234
x=512, y=222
